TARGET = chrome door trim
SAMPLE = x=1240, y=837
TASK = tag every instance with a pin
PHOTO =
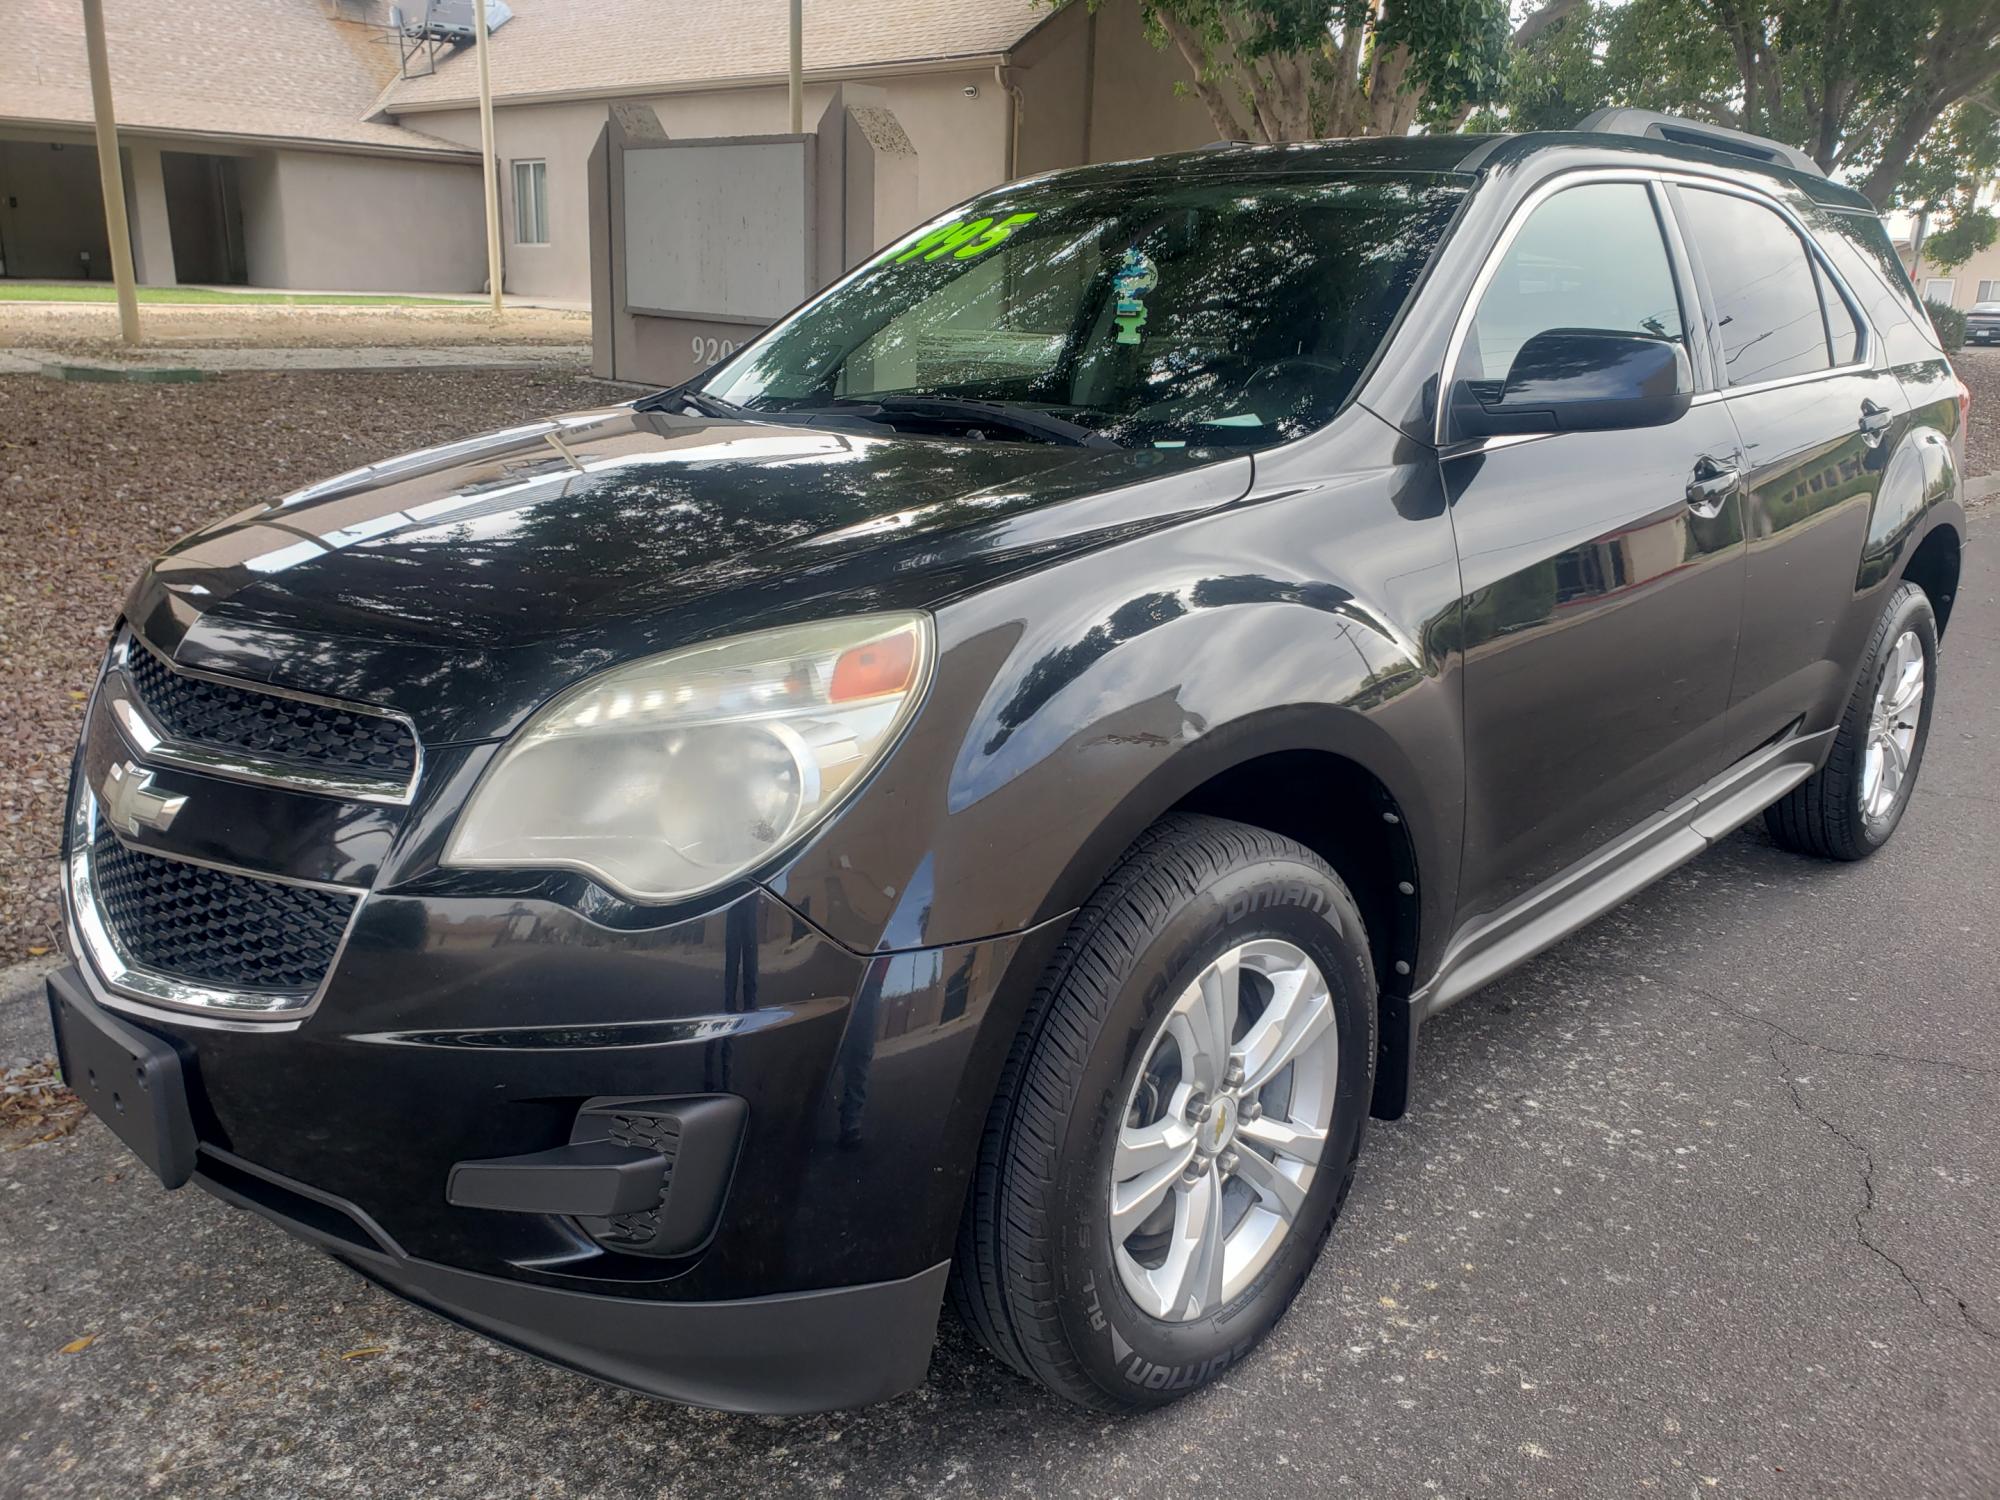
x=1653, y=178
x=1864, y=360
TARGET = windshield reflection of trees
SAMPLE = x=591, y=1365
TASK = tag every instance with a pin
x=1271, y=298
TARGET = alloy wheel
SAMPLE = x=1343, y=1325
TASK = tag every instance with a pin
x=1892, y=729
x=1223, y=1132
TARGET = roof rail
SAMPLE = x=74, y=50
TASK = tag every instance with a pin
x=1646, y=122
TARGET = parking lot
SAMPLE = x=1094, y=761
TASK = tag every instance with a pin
x=1702, y=1202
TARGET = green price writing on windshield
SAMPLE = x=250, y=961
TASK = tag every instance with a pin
x=962, y=240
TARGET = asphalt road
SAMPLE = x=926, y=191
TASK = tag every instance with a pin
x=1705, y=1202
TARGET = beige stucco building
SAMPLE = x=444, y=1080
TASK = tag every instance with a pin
x=283, y=144
x=986, y=90
x=1978, y=280
x=251, y=151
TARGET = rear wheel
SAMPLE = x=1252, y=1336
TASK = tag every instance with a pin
x=1178, y=1122
x=1852, y=805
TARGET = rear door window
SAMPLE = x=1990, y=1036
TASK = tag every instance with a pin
x=1763, y=285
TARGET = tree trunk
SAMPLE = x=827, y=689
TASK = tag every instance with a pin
x=1833, y=107
x=1342, y=104
x=1385, y=89
x=1294, y=78
x=1735, y=25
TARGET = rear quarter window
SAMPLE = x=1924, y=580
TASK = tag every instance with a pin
x=1859, y=248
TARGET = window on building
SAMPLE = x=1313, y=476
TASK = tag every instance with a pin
x=531, y=203
x=1989, y=291
x=1767, y=308
x=1940, y=289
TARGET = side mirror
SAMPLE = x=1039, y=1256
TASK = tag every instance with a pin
x=1580, y=380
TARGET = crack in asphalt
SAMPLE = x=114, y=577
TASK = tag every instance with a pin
x=1782, y=1036
x=1868, y=1198
x=1896, y=1057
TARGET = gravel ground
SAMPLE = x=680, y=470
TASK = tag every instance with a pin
x=96, y=479
x=1980, y=369
x=90, y=327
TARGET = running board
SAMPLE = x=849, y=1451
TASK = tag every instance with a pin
x=1587, y=890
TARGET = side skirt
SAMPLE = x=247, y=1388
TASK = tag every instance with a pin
x=1488, y=948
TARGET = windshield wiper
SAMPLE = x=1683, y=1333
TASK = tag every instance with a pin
x=681, y=396
x=1022, y=419
x=1019, y=419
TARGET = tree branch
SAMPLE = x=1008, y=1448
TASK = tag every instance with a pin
x=1977, y=64
x=1195, y=55
x=1262, y=92
x=1536, y=22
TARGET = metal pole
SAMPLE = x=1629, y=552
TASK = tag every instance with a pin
x=798, y=67
x=487, y=160
x=111, y=171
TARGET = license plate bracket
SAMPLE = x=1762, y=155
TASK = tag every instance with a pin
x=130, y=1079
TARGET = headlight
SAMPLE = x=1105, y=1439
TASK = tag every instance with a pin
x=676, y=774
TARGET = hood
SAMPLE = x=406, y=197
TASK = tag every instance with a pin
x=589, y=538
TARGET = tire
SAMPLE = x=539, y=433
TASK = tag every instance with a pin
x=1828, y=815
x=1036, y=1277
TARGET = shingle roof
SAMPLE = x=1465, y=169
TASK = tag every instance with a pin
x=279, y=69
x=633, y=46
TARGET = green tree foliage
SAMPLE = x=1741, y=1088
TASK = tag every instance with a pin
x=1289, y=70
x=1862, y=87
x=1872, y=89
x=1949, y=323
x=1941, y=184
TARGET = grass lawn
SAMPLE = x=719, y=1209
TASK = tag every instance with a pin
x=96, y=291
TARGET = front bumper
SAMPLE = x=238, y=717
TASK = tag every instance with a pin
x=463, y=1028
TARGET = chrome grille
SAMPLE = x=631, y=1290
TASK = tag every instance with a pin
x=215, y=927
x=305, y=732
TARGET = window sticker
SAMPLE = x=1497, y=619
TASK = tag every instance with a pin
x=961, y=239
x=1132, y=281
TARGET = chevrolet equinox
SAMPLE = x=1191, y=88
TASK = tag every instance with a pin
x=977, y=795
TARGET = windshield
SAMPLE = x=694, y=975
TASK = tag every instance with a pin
x=1144, y=311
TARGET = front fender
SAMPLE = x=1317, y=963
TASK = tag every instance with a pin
x=1074, y=706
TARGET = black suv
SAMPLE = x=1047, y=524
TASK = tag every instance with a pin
x=980, y=792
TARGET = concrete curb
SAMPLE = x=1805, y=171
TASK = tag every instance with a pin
x=143, y=374
x=196, y=364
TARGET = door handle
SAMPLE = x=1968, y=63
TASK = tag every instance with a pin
x=1713, y=483
x=1874, y=422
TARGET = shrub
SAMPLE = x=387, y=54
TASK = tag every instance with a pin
x=1949, y=323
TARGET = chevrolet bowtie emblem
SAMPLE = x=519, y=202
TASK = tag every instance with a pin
x=130, y=803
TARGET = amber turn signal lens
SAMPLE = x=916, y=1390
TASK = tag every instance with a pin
x=875, y=669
